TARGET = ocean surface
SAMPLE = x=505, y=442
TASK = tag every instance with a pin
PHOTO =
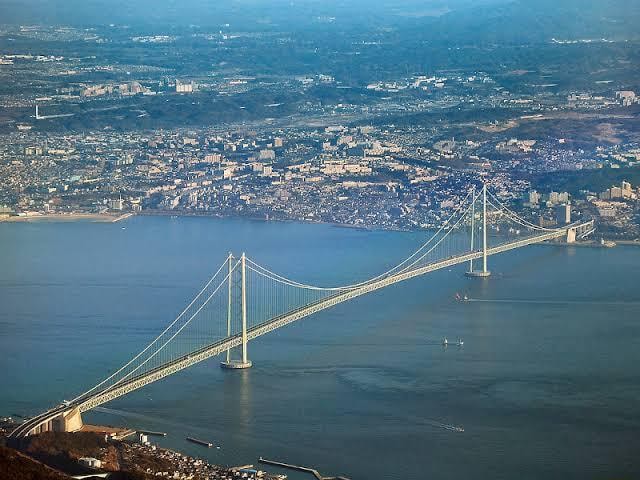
x=547, y=384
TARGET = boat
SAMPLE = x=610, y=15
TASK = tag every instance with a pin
x=459, y=343
x=445, y=342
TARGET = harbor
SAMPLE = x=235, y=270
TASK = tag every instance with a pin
x=299, y=468
x=101, y=451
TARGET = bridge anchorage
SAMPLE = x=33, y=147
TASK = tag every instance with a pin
x=244, y=300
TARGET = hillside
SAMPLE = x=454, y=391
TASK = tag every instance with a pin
x=16, y=466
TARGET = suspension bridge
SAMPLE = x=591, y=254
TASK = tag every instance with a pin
x=244, y=300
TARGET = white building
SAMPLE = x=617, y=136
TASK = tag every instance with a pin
x=90, y=462
x=534, y=197
x=116, y=204
x=267, y=155
x=184, y=87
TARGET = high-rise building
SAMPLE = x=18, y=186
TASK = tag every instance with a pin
x=616, y=192
x=116, y=204
x=628, y=97
x=563, y=213
x=33, y=151
x=627, y=190
x=534, y=197
x=184, y=87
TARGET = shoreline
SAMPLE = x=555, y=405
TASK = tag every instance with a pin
x=113, y=218
x=370, y=228
x=633, y=243
x=130, y=455
x=67, y=217
x=594, y=244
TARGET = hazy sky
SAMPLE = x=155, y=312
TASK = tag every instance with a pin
x=200, y=12
x=469, y=17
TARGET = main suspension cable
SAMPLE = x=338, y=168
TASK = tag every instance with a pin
x=287, y=281
x=142, y=352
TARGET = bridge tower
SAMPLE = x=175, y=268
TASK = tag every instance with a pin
x=484, y=272
x=244, y=362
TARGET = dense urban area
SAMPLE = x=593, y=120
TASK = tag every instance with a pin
x=92, y=135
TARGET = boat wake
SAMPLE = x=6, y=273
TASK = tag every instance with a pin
x=139, y=416
x=444, y=426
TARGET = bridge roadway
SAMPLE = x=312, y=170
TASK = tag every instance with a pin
x=214, y=349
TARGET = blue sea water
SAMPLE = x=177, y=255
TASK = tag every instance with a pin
x=547, y=384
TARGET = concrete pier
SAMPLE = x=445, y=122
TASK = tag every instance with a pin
x=151, y=432
x=200, y=442
x=299, y=468
x=478, y=274
x=236, y=364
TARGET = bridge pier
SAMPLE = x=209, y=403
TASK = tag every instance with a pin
x=478, y=274
x=236, y=364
